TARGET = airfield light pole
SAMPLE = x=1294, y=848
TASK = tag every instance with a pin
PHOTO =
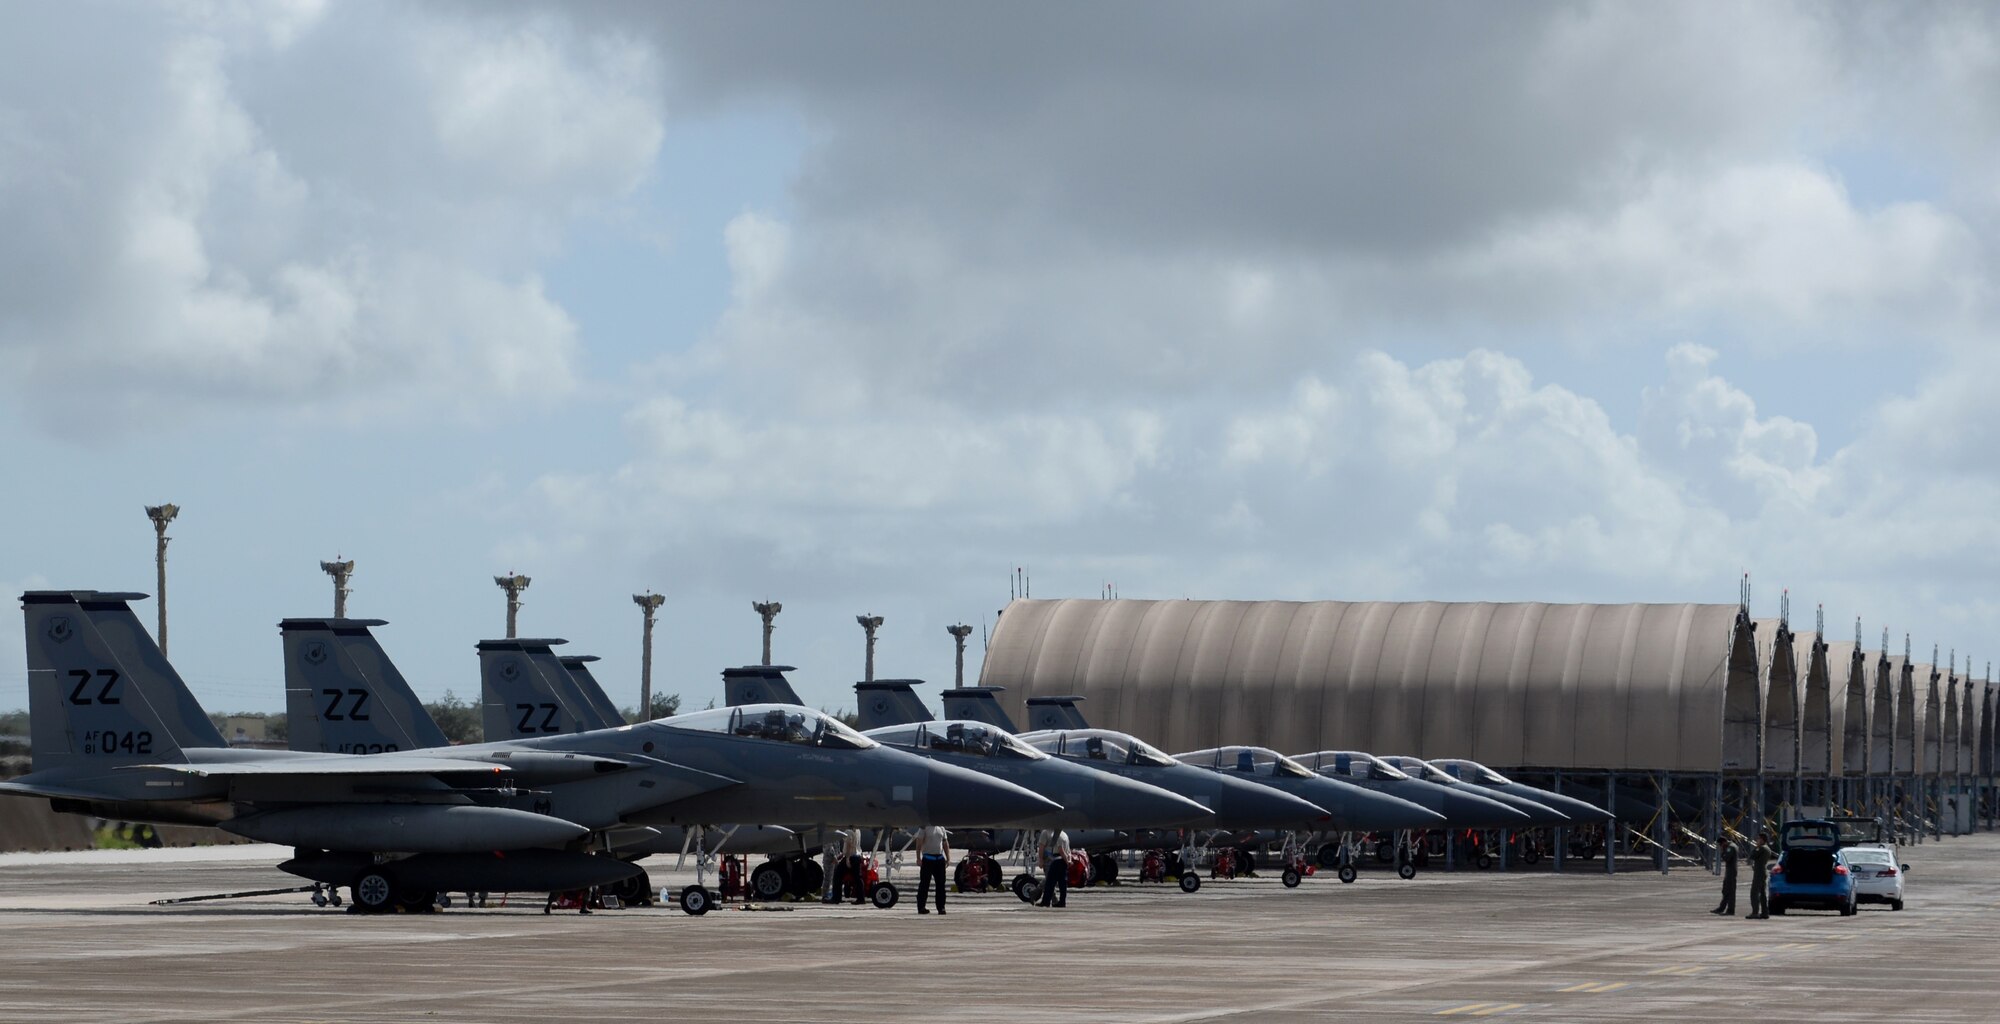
x=649, y=604
x=768, y=611
x=513, y=584
x=161, y=515
x=340, y=571
x=958, y=635
x=869, y=624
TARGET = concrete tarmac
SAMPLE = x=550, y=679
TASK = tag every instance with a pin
x=79, y=942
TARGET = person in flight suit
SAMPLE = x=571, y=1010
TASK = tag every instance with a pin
x=1727, y=907
x=1760, y=867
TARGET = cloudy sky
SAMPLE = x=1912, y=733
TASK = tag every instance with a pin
x=858, y=307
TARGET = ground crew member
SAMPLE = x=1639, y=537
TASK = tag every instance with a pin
x=1760, y=866
x=1056, y=878
x=933, y=853
x=850, y=865
x=1727, y=907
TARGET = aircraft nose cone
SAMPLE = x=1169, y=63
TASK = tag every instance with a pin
x=961, y=797
x=1128, y=803
x=1579, y=810
x=1372, y=811
x=1249, y=805
x=1538, y=812
x=1475, y=811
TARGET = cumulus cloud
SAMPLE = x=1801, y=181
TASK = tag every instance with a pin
x=185, y=234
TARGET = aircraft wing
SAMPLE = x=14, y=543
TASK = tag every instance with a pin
x=336, y=765
x=50, y=792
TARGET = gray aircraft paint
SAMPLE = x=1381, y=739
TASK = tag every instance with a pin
x=1354, y=808
x=1055, y=713
x=1476, y=774
x=98, y=636
x=881, y=703
x=1089, y=799
x=758, y=684
x=343, y=697
x=976, y=704
x=1237, y=803
x=578, y=667
x=1461, y=807
x=525, y=692
x=1538, y=813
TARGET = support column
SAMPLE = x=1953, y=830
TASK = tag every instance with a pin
x=869, y=624
x=1613, y=828
x=340, y=571
x=161, y=515
x=649, y=604
x=513, y=585
x=958, y=634
x=1663, y=822
x=768, y=611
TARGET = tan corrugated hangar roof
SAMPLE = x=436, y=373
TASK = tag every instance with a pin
x=1628, y=687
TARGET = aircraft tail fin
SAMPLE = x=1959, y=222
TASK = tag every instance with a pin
x=344, y=696
x=883, y=702
x=977, y=704
x=525, y=691
x=99, y=689
x=585, y=681
x=1055, y=713
x=758, y=684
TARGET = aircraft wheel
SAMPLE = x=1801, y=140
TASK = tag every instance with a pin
x=1329, y=856
x=883, y=895
x=768, y=881
x=641, y=888
x=319, y=898
x=1406, y=871
x=1385, y=851
x=1027, y=889
x=1348, y=874
x=373, y=892
x=808, y=878
x=1190, y=882
x=1245, y=863
x=1291, y=878
x=1106, y=868
x=444, y=901
x=1531, y=855
x=695, y=901
x=1484, y=861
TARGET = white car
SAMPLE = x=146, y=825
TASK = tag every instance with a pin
x=1877, y=876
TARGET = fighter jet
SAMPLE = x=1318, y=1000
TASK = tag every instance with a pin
x=1461, y=807
x=1476, y=774
x=116, y=733
x=1354, y=808
x=1538, y=812
x=344, y=695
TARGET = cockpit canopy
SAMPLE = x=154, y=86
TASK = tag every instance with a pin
x=1472, y=771
x=1248, y=760
x=786, y=723
x=974, y=738
x=1418, y=768
x=1351, y=764
x=1098, y=745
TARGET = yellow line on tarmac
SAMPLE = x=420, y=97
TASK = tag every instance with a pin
x=1612, y=986
x=1681, y=971
x=1744, y=957
x=1467, y=1008
x=1497, y=1008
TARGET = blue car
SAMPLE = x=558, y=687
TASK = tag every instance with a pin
x=1809, y=872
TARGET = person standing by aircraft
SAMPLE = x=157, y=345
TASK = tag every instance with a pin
x=850, y=867
x=1727, y=907
x=933, y=853
x=1760, y=869
x=1056, y=879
